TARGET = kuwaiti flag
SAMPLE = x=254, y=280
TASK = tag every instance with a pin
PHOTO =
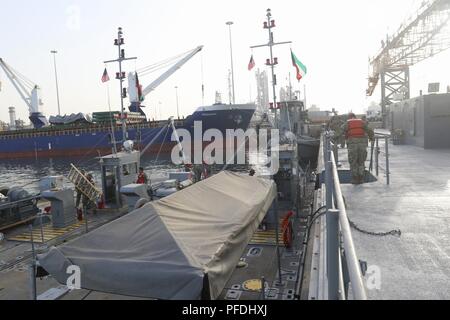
x=301, y=68
x=105, y=77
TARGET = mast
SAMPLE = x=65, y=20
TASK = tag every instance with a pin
x=121, y=77
x=272, y=62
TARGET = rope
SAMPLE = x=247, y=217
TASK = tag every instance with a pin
x=160, y=148
x=159, y=65
x=154, y=139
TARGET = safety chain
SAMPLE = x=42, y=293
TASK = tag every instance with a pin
x=376, y=234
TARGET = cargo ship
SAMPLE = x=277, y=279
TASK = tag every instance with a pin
x=79, y=135
x=84, y=139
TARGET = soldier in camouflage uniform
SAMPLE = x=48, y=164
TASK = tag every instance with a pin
x=335, y=125
x=357, y=133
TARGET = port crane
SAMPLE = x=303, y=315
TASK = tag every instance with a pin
x=137, y=93
x=423, y=35
x=29, y=92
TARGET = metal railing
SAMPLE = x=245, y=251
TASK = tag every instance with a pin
x=376, y=151
x=343, y=266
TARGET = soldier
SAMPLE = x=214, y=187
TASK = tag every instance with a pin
x=79, y=193
x=357, y=133
x=198, y=170
x=88, y=203
x=142, y=177
x=335, y=125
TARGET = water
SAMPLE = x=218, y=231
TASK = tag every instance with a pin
x=27, y=173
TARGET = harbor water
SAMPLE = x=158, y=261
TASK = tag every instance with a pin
x=27, y=173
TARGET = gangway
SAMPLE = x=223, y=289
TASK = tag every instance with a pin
x=83, y=185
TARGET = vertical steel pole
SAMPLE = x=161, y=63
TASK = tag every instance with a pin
x=333, y=254
x=263, y=288
x=32, y=269
x=329, y=184
x=229, y=24
x=387, y=161
x=377, y=154
x=336, y=152
x=178, y=104
x=54, y=52
x=277, y=233
x=86, y=218
x=121, y=58
x=42, y=230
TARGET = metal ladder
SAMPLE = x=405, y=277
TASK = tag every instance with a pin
x=83, y=185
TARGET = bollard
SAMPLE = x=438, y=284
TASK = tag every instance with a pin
x=333, y=254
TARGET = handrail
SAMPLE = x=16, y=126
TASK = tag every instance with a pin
x=353, y=264
x=385, y=153
x=339, y=255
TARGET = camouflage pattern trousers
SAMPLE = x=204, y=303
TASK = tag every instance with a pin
x=357, y=156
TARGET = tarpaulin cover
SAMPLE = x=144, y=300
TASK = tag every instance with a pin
x=168, y=248
x=69, y=119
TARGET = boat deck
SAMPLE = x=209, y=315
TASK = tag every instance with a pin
x=16, y=257
x=417, y=264
x=261, y=258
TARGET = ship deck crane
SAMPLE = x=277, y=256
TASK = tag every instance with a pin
x=29, y=92
x=422, y=36
x=137, y=94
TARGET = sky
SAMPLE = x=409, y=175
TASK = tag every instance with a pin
x=334, y=39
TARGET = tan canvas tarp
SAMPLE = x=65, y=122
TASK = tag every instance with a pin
x=165, y=249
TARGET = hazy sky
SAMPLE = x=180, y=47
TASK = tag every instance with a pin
x=332, y=38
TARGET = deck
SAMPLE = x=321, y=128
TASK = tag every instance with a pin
x=417, y=264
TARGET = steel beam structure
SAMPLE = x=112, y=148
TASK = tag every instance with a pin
x=423, y=35
x=395, y=85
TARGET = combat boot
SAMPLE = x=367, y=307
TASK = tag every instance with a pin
x=361, y=180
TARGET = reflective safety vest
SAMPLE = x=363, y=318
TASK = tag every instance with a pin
x=356, y=129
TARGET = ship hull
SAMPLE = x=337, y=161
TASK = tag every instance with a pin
x=155, y=137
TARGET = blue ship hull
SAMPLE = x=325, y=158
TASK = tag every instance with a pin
x=95, y=139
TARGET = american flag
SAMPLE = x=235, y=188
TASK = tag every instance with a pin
x=251, y=64
x=105, y=77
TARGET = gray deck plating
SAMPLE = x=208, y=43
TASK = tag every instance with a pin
x=416, y=265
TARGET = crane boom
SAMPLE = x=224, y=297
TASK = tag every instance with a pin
x=170, y=72
x=31, y=96
x=137, y=95
x=23, y=92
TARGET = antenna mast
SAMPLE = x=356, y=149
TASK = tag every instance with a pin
x=121, y=77
x=272, y=62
